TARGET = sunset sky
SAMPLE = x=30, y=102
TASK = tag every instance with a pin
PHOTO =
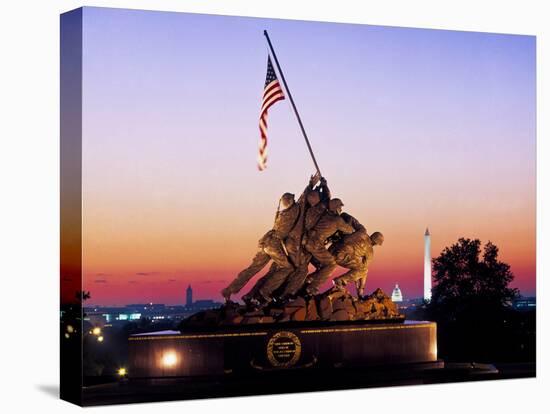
x=412, y=128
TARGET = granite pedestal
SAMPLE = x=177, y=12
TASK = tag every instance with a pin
x=279, y=347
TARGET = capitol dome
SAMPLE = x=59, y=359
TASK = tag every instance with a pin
x=396, y=295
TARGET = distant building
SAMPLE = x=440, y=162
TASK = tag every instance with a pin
x=189, y=297
x=151, y=307
x=157, y=313
x=396, y=295
x=116, y=316
x=427, y=266
x=525, y=304
x=409, y=307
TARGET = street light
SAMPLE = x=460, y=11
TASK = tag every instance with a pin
x=169, y=359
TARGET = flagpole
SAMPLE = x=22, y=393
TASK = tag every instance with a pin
x=292, y=102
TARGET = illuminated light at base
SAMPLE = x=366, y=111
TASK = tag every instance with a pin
x=99, y=339
x=70, y=329
x=96, y=331
x=122, y=372
x=433, y=350
x=169, y=359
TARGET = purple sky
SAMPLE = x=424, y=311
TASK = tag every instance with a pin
x=412, y=128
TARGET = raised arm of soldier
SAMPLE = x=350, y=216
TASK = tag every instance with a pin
x=353, y=222
x=345, y=227
x=335, y=206
x=313, y=180
x=325, y=191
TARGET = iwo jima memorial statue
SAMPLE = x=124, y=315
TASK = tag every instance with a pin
x=285, y=322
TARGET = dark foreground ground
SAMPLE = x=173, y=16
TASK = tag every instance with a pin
x=287, y=381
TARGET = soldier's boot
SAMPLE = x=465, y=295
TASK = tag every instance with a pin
x=284, y=300
x=310, y=289
x=226, y=293
x=254, y=292
x=269, y=288
x=253, y=305
x=247, y=298
x=262, y=301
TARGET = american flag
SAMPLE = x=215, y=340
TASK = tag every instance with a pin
x=272, y=94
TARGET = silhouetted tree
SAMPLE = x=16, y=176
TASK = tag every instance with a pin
x=471, y=301
x=82, y=295
x=463, y=274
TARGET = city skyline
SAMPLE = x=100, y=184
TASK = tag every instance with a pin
x=412, y=128
x=426, y=284
x=183, y=282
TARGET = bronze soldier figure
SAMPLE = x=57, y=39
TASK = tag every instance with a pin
x=316, y=238
x=317, y=204
x=377, y=239
x=265, y=287
x=355, y=252
x=270, y=247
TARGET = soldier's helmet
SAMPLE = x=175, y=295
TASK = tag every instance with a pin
x=335, y=205
x=377, y=238
x=287, y=199
x=313, y=197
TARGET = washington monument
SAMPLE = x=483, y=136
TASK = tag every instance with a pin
x=427, y=267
